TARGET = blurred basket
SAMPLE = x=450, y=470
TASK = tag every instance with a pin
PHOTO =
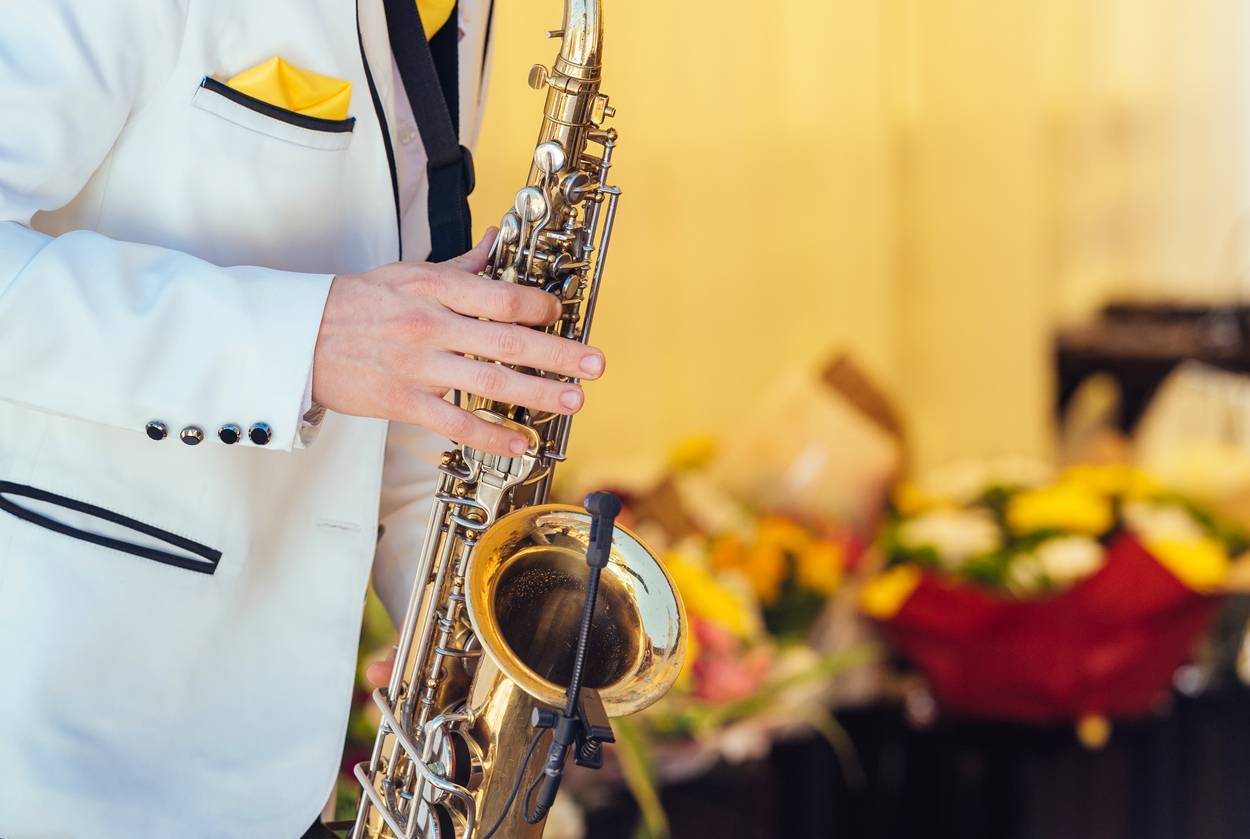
x=1107, y=646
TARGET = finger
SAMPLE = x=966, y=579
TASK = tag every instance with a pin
x=463, y=427
x=477, y=297
x=526, y=347
x=474, y=261
x=378, y=673
x=506, y=385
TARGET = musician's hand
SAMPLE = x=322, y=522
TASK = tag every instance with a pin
x=378, y=674
x=393, y=343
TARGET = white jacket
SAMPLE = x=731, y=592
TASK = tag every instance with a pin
x=165, y=253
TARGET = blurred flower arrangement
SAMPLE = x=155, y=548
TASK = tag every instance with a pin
x=1028, y=533
x=1040, y=596
x=1020, y=591
x=751, y=596
x=754, y=585
x=760, y=533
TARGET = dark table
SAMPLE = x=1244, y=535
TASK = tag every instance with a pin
x=1140, y=344
x=1184, y=774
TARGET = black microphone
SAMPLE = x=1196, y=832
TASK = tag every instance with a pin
x=603, y=507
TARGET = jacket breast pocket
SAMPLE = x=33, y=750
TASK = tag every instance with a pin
x=103, y=527
x=260, y=116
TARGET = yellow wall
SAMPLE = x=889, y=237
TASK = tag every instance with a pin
x=1051, y=155
x=930, y=183
x=754, y=228
x=973, y=302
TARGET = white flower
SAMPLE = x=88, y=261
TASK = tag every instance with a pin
x=1024, y=575
x=956, y=535
x=744, y=741
x=1066, y=559
x=964, y=481
x=1057, y=563
x=1206, y=470
x=1153, y=521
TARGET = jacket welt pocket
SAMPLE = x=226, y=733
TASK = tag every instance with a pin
x=258, y=115
x=145, y=540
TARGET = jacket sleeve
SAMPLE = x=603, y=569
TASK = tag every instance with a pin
x=114, y=332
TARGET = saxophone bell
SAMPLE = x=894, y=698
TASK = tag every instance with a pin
x=526, y=587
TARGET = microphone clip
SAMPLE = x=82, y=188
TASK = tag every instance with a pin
x=585, y=732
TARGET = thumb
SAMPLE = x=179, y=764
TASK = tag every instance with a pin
x=378, y=673
x=475, y=260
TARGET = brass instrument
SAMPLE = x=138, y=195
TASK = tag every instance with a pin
x=486, y=645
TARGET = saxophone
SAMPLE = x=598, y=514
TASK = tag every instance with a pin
x=485, y=653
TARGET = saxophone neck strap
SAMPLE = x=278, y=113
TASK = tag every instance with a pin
x=431, y=75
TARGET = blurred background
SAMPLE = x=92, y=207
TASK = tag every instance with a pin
x=926, y=324
x=935, y=186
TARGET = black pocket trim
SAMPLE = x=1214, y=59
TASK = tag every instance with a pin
x=334, y=126
x=207, y=566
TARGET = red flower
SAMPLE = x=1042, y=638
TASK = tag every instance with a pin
x=726, y=669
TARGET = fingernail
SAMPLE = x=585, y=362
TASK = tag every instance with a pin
x=592, y=365
x=518, y=445
x=571, y=399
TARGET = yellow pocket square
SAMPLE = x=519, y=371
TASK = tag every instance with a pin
x=302, y=91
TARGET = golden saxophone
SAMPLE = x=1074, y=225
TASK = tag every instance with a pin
x=486, y=649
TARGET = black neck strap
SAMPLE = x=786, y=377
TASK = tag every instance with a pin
x=430, y=72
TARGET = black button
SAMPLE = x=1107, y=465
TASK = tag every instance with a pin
x=192, y=436
x=157, y=430
x=230, y=434
x=260, y=434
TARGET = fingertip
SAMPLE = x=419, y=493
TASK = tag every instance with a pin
x=572, y=399
x=517, y=444
x=593, y=364
x=557, y=308
x=376, y=674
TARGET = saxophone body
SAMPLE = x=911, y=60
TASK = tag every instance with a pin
x=492, y=622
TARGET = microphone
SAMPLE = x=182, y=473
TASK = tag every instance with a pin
x=584, y=722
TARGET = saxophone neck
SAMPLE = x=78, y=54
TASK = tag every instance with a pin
x=581, y=55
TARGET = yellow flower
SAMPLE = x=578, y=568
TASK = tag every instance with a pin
x=763, y=565
x=693, y=452
x=1114, y=479
x=909, y=499
x=1067, y=506
x=764, y=559
x=819, y=568
x=783, y=534
x=1201, y=564
x=707, y=598
x=883, y=595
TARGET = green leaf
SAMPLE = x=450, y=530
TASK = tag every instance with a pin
x=634, y=753
x=843, y=747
